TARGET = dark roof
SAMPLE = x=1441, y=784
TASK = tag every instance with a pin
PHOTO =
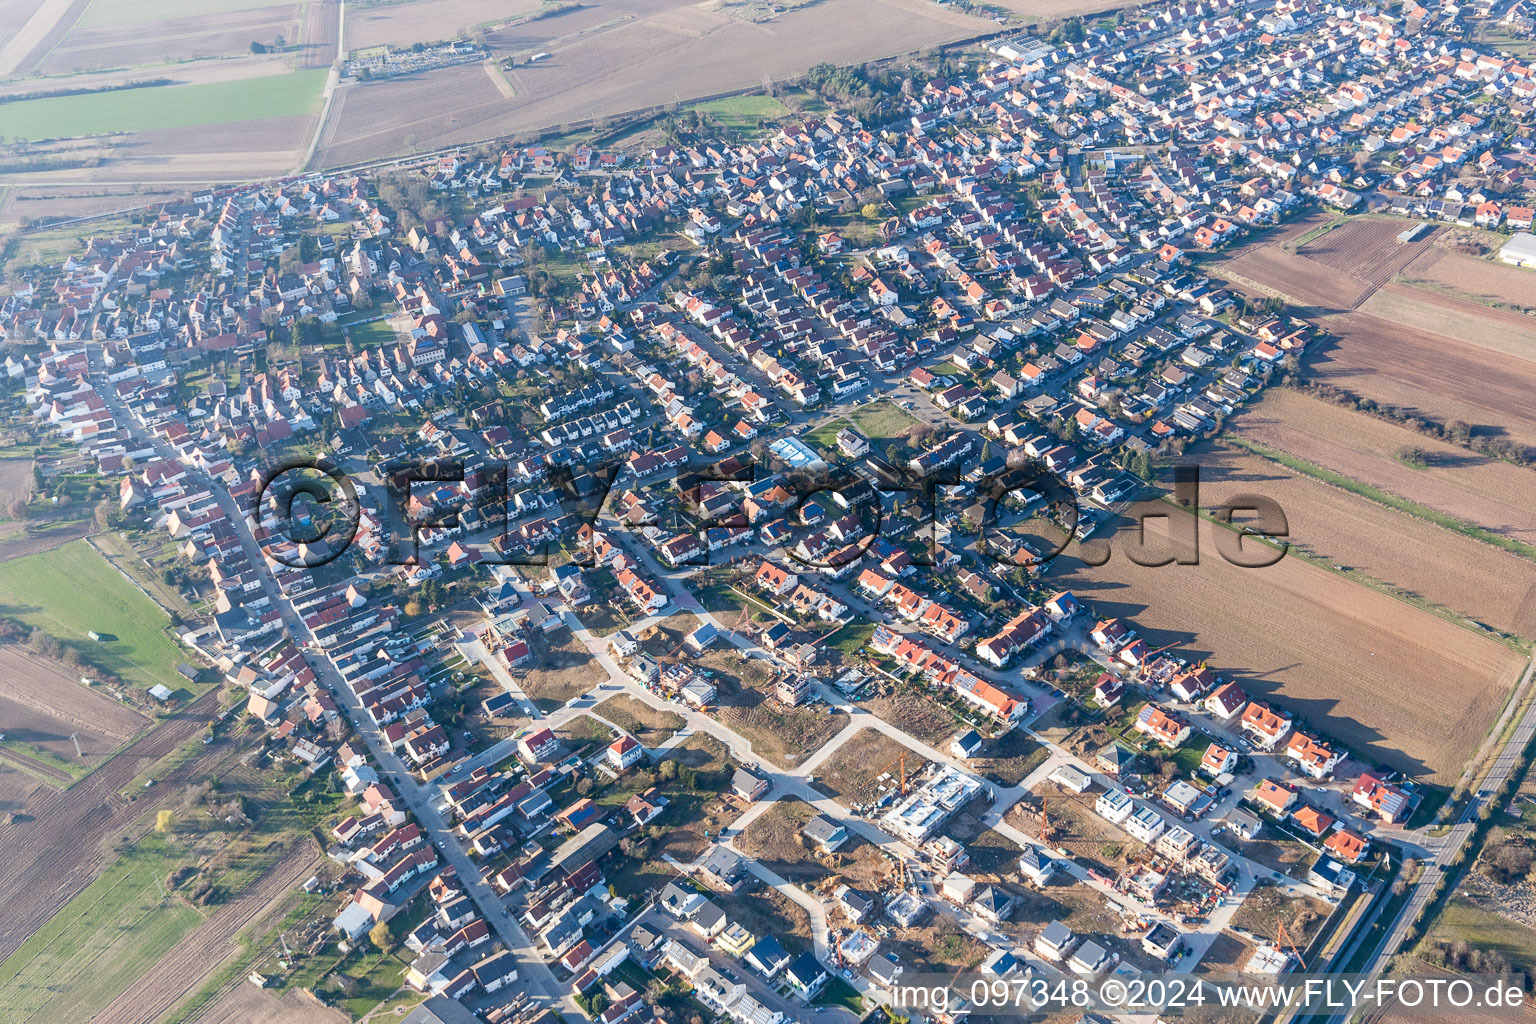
x=766, y=953
x=441, y=1010
x=806, y=968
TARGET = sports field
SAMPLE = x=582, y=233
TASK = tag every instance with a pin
x=71, y=591
x=171, y=106
x=102, y=939
x=742, y=111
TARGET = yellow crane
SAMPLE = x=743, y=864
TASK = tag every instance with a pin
x=901, y=763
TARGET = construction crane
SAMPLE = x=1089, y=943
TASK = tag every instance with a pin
x=1045, y=819
x=1283, y=940
x=900, y=762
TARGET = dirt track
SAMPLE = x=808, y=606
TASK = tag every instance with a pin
x=56, y=849
x=183, y=968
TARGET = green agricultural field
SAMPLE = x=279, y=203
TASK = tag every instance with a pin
x=168, y=106
x=99, y=942
x=71, y=591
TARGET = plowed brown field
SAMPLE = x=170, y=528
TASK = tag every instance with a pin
x=1428, y=374
x=1473, y=488
x=1395, y=684
x=42, y=704
x=1419, y=558
x=55, y=848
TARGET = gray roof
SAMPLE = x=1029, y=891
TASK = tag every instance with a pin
x=441, y=1010
x=1056, y=934
x=822, y=828
x=723, y=863
x=709, y=915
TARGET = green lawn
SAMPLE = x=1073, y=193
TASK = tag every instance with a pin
x=881, y=421
x=376, y=332
x=100, y=942
x=1463, y=920
x=72, y=590
x=852, y=638
x=742, y=111
x=169, y=106
x=839, y=993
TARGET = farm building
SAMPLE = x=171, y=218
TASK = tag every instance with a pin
x=1520, y=251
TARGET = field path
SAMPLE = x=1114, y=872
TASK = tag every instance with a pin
x=208, y=946
x=35, y=766
x=56, y=847
x=50, y=17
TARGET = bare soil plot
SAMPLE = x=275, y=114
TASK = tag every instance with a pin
x=1336, y=271
x=401, y=24
x=1428, y=374
x=766, y=911
x=1474, y=488
x=994, y=857
x=1504, y=331
x=1009, y=758
x=88, y=48
x=914, y=712
x=17, y=788
x=1393, y=683
x=784, y=735
x=1366, y=248
x=1483, y=281
x=231, y=150
x=564, y=669
x=42, y=703
x=651, y=726
x=1074, y=827
x=852, y=774
x=31, y=28
x=15, y=481
x=1288, y=856
x=1416, y=557
x=1225, y=955
x=582, y=731
x=247, y=1004
x=1268, y=268
x=1267, y=906
x=322, y=21
x=940, y=946
x=773, y=839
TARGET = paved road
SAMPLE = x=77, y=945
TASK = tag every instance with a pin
x=1509, y=759
x=534, y=975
